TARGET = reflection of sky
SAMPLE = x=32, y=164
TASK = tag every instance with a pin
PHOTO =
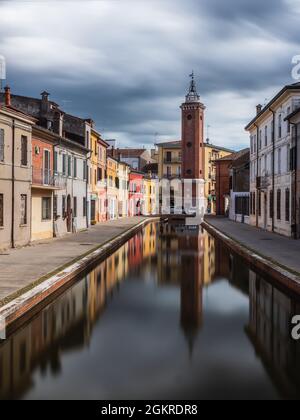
x=138, y=350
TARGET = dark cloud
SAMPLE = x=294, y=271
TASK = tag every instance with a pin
x=126, y=64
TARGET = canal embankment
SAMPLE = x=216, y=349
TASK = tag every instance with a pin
x=31, y=275
x=274, y=255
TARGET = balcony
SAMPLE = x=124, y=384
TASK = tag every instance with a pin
x=169, y=161
x=47, y=179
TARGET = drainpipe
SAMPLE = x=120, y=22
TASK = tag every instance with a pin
x=13, y=187
x=257, y=167
x=273, y=169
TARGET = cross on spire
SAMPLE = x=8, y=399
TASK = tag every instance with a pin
x=192, y=96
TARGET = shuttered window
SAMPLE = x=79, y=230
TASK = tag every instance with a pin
x=23, y=209
x=1, y=210
x=1, y=145
x=24, y=151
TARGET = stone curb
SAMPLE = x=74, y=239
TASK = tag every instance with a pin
x=279, y=274
x=19, y=307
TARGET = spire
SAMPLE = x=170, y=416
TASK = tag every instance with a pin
x=192, y=96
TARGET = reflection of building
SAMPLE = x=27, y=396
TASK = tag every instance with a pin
x=269, y=330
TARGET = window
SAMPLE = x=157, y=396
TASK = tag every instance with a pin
x=75, y=167
x=69, y=166
x=85, y=171
x=55, y=207
x=266, y=135
x=271, y=203
x=288, y=156
x=63, y=205
x=84, y=207
x=279, y=161
x=55, y=168
x=23, y=209
x=75, y=206
x=24, y=151
x=46, y=208
x=64, y=166
x=1, y=145
x=260, y=139
x=280, y=126
x=278, y=204
x=1, y=210
x=169, y=157
x=288, y=125
x=287, y=205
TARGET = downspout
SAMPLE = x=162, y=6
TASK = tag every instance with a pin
x=13, y=188
x=273, y=170
x=257, y=167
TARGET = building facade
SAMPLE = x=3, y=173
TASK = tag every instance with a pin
x=239, y=207
x=211, y=154
x=112, y=188
x=270, y=160
x=15, y=177
x=136, y=193
x=123, y=186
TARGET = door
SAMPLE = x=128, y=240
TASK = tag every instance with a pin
x=93, y=211
x=69, y=214
x=265, y=211
x=46, y=178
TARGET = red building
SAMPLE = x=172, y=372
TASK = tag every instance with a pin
x=136, y=193
x=223, y=184
x=192, y=134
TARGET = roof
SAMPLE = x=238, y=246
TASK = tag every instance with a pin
x=177, y=145
x=233, y=156
x=170, y=144
x=294, y=86
x=151, y=167
x=17, y=113
x=131, y=153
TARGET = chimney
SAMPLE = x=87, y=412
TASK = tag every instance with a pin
x=45, y=103
x=7, y=96
x=258, y=109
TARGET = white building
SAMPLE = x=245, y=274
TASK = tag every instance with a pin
x=70, y=201
x=123, y=182
x=270, y=174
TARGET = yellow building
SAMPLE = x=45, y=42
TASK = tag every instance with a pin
x=97, y=186
x=151, y=191
x=112, y=188
x=170, y=161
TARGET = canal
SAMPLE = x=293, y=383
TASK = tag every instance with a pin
x=170, y=315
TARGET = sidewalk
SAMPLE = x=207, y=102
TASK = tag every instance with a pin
x=278, y=249
x=21, y=267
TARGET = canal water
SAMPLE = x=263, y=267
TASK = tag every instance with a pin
x=170, y=315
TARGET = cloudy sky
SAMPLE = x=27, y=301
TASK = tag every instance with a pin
x=125, y=63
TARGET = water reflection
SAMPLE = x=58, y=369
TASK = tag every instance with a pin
x=167, y=258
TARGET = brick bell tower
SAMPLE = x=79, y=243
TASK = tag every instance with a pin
x=192, y=134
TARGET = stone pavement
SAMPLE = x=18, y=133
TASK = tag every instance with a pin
x=279, y=249
x=21, y=267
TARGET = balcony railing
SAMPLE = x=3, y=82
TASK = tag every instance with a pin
x=173, y=160
x=47, y=178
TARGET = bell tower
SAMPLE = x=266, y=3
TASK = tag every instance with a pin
x=192, y=134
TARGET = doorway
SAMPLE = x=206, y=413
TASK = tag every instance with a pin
x=265, y=211
x=69, y=214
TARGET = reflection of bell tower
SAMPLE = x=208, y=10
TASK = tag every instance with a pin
x=191, y=287
x=192, y=134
